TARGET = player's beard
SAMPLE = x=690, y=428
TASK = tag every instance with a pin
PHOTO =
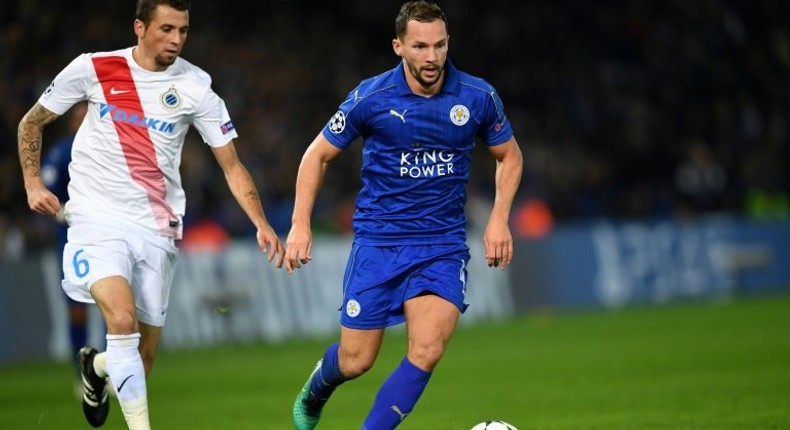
x=425, y=83
x=165, y=61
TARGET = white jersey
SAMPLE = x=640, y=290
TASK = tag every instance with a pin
x=127, y=152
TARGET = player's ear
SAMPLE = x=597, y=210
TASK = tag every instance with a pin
x=397, y=47
x=139, y=28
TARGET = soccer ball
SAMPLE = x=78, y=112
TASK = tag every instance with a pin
x=494, y=425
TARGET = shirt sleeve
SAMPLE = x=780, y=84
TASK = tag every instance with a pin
x=213, y=122
x=496, y=128
x=69, y=87
x=346, y=124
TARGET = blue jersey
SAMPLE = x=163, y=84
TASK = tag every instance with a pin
x=55, y=167
x=55, y=174
x=416, y=153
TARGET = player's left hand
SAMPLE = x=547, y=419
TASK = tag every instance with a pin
x=498, y=243
x=270, y=244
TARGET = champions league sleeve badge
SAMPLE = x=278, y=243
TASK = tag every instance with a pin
x=459, y=115
x=338, y=122
x=227, y=127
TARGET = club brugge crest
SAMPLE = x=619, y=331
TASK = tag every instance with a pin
x=171, y=99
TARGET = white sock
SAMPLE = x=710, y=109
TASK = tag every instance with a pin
x=100, y=364
x=127, y=374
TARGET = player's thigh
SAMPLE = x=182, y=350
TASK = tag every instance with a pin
x=115, y=300
x=358, y=349
x=431, y=321
x=92, y=255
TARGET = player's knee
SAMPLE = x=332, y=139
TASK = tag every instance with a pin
x=426, y=357
x=121, y=323
x=354, y=366
x=356, y=369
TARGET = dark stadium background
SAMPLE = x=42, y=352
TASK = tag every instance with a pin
x=609, y=99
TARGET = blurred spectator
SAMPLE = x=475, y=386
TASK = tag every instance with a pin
x=766, y=198
x=206, y=235
x=533, y=219
x=701, y=180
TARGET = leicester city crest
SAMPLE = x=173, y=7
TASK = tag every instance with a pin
x=459, y=115
x=171, y=99
x=353, y=308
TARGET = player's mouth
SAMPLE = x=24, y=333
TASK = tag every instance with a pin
x=431, y=72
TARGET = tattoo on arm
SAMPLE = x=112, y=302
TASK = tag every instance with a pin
x=252, y=195
x=29, y=136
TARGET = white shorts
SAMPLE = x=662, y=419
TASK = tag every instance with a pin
x=95, y=251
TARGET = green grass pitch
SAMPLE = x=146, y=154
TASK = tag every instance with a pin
x=688, y=366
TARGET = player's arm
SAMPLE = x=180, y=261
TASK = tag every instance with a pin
x=312, y=170
x=29, y=140
x=243, y=189
x=497, y=238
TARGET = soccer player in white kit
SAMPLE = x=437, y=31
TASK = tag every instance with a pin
x=126, y=200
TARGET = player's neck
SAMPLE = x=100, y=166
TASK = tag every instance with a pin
x=146, y=61
x=418, y=89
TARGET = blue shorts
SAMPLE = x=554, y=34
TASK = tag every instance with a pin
x=379, y=279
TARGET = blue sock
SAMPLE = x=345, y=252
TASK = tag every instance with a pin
x=328, y=377
x=397, y=396
x=78, y=334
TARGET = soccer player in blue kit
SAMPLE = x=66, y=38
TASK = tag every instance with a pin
x=418, y=123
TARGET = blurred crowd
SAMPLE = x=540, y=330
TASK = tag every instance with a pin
x=624, y=109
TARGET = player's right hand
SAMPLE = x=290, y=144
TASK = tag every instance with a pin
x=43, y=201
x=298, y=248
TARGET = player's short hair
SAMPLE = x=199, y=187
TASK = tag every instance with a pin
x=146, y=8
x=420, y=11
